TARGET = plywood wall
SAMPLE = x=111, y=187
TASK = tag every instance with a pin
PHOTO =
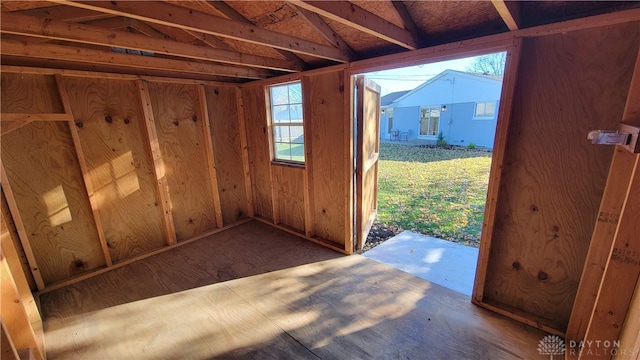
x=309, y=199
x=553, y=177
x=93, y=193
x=51, y=199
x=255, y=113
x=227, y=145
x=179, y=124
x=119, y=163
x=325, y=93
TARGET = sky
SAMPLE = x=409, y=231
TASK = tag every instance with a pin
x=411, y=77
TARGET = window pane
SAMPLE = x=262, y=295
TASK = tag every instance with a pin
x=297, y=152
x=280, y=114
x=479, y=109
x=297, y=134
x=283, y=151
x=295, y=112
x=281, y=134
x=279, y=95
x=490, y=109
x=295, y=93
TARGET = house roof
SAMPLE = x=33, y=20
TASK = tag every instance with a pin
x=391, y=97
x=448, y=72
x=240, y=41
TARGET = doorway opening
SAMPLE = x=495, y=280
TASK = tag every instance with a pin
x=437, y=130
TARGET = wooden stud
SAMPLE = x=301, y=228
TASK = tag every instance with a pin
x=630, y=336
x=211, y=159
x=349, y=174
x=308, y=156
x=509, y=12
x=356, y=17
x=22, y=232
x=176, y=16
x=35, y=117
x=497, y=162
x=622, y=268
x=68, y=53
x=161, y=181
x=273, y=184
x=14, y=316
x=245, y=152
x=600, y=245
x=85, y=172
x=12, y=258
x=620, y=275
x=7, y=345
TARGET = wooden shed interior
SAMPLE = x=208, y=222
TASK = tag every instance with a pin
x=139, y=134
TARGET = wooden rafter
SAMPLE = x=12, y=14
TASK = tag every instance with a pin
x=232, y=14
x=112, y=23
x=66, y=13
x=358, y=18
x=326, y=31
x=407, y=20
x=68, y=53
x=59, y=30
x=177, y=16
x=509, y=12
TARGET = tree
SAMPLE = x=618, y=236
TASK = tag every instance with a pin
x=492, y=64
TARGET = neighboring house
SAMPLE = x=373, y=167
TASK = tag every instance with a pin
x=463, y=106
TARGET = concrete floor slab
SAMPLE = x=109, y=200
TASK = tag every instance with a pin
x=442, y=262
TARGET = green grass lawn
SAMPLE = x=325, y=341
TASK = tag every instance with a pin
x=433, y=191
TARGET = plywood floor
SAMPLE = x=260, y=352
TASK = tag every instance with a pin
x=256, y=292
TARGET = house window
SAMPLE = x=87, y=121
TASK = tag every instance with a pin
x=485, y=109
x=287, y=122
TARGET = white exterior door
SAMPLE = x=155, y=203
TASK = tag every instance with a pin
x=429, y=122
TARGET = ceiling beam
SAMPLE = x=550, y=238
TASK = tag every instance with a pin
x=75, y=54
x=407, y=20
x=358, y=18
x=231, y=13
x=66, y=13
x=30, y=26
x=113, y=23
x=509, y=12
x=180, y=17
x=326, y=31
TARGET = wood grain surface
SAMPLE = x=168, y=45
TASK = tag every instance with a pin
x=177, y=115
x=325, y=95
x=9, y=231
x=118, y=162
x=553, y=178
x=234, y=295
x=255, y=113
x=225, y=133
x=51, y=199
x=289, y=184
x=29, y=94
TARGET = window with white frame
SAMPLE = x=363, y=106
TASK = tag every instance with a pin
x=287, y=123
x=485, y=109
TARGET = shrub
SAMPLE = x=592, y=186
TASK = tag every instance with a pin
x=471, y=146
x=441, y=142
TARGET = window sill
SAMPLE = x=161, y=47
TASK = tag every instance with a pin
x=287, y=164
x=480, y=118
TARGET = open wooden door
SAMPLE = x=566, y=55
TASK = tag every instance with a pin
x=366, y=152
